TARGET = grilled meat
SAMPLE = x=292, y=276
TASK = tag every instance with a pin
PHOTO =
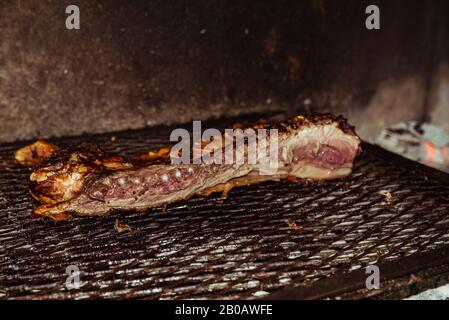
x=86, y=182
x=33, y=154
x=62, y=176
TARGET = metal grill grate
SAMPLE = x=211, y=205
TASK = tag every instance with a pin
x=244, y=246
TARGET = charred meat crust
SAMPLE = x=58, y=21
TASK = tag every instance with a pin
x=83, y=158
x=78, y=164
x=33, y=154
x=301, y=121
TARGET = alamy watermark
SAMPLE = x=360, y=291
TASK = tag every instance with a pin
x=73, y=280
x=73, y=22
x=372, y=282
x=73, y=19
x=234, y=146
x=372, y=22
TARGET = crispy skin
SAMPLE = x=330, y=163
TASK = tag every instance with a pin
x=86, y=182
x=34, y=154
x=301, y=121
x=62, y=176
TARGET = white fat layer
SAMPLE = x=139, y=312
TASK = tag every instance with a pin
x=307, y=171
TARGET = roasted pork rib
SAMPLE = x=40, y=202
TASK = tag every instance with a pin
x=84, y=181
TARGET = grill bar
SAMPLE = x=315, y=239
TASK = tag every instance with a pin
x=402, y=278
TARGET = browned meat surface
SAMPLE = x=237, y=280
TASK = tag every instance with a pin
x=86, y=182
x=62, y=176
x=33, y=154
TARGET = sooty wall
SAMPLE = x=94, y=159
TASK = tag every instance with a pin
x=134, y=64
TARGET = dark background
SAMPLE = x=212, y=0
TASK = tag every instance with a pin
x=138, y=63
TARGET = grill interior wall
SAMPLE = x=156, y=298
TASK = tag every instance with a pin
x=173, y=62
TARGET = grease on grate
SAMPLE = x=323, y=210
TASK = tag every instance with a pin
x=121, y=227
